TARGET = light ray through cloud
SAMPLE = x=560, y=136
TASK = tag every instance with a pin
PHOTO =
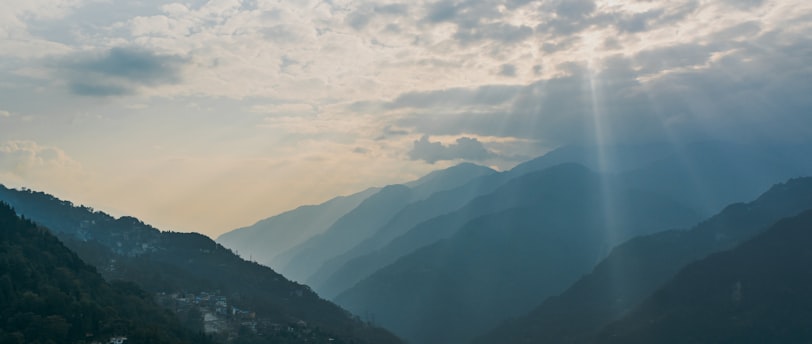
x=332, y=75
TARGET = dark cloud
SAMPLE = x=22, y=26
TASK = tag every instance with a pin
x=358, y=20
x=390, y=131
x=507, y=69
x=120, y=71
x=441, y=11
x=754, y=90
x=562, y=44
x=574, y=9
x=281, y=34
x=360, y=150
x=577, y=16
x=745, y=4
x=478, y=21
x=638, y=22
x=570, y=16
x=486, y=95
x=677, y=56
x=738, y=31
x=611, y=43
x=97, y=89
x=361, y=17
x=500, y=32
x=465, y=148
x=392, y=9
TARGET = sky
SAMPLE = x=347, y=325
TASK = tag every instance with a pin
x=206, y=116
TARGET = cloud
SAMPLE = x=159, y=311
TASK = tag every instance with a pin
x=360, y=150
x=739, y=91
x=4, y=113
x=485, y=95
x=745, y=4
x=360, y=18
x=573, y=17
x=120, y=71
x=285, y=110
x=390, y=131
x=392, y=9
x=671, y=57
x=441, y=11
x=500, y=32
x=574, y=9
x=29, y=161
x=465, y=148
x=478, y=21
x=507, y=69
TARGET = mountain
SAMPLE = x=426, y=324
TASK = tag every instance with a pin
x=348, y=231
x=710, y=174
x=703, y=176
x=636, y=268
x=49, y=295
x=382, y=248
x=396, y=239
x=615, y=159
x=182, y=264
x=534, y=236
x=757, y=292
x=264, y=240
x=447, y=179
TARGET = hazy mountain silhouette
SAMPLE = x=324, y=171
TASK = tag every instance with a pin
x=419, y=224
x=698, y=175
x=607, y=159
x=264, y=240
x=49, y=295
x=362, y=222
x=757, y=292
x=555, y=223
x=377, y=251
x=638, y=267
x=394, y=239
x=127, y=249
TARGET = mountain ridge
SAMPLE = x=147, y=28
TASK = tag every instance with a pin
x=169, y=262
x=478, y=275
x=639, y=266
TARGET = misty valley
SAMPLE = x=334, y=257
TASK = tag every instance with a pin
x=558, y=249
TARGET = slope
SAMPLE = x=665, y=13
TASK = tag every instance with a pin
x=264, y=240
x=553, y=223
x=394, y=239
x=362, y=222
x=703, y=176
x=345, y=270
x=48, y=294
x=757, y=292
x=638, y=267
x=166, y=262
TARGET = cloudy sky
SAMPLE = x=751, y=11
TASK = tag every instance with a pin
x=208, y=115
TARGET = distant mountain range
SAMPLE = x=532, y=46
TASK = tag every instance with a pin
x=581, y=245
x=180, y=263
x=635, y=269
x=264, y=240
x=301, y=261
x=512, y=248
x=757, y=292
x=450, y=265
